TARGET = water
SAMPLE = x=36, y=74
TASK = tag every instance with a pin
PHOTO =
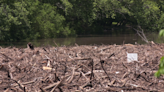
x=90, y=40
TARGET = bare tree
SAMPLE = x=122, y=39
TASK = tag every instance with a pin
x=141, y=33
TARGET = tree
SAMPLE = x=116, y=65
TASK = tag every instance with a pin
x=14, y=21
x=31, y=19
x=36, y=19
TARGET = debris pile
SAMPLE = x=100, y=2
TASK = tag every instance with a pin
x=80, y=68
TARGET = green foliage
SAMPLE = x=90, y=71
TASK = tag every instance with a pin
x=161, y=68
x=145, y=13
x=14, y=21
x=31, y=19
x=37, y=19
x=161, y=33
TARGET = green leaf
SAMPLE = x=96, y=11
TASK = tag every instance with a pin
x=157, y=74
x=161, y=68
x=161, y=33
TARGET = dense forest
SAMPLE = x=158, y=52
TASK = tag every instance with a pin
x=36, y=19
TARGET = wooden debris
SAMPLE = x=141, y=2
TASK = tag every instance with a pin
x=80, y=68
x=29, y=45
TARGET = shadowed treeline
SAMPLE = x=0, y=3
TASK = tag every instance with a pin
x=41, y=19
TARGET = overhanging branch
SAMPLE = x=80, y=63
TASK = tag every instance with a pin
x=141, y=33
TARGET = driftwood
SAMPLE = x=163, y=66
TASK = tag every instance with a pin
x=80, y=69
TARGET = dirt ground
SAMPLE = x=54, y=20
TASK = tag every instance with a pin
x=85, y=68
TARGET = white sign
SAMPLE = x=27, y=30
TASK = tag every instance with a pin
x=132, y=57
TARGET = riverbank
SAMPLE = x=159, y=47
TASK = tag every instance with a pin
x=95, y=40
x=81, y=68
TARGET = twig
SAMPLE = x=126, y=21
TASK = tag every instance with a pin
x=73, y=73
x=102, y=61
x=92, y=75
x=124, y=81
x=42, y=90
x=111, y=55
x=125, y=66
x=52, y=85
x=95, y=71
x=84, y=66
x=86, y=83
x=125, y=75
x=84, y=75
x=20, y=85
x=47, y=57
x=58, y=84
x=76, y=44
x=48, y=63
x=45, y=50
x=6, y=56
x=24, y=83
x=113, y=89
x=112, y=82
x=56, y=44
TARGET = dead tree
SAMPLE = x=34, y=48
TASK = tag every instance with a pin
x=141, y=33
